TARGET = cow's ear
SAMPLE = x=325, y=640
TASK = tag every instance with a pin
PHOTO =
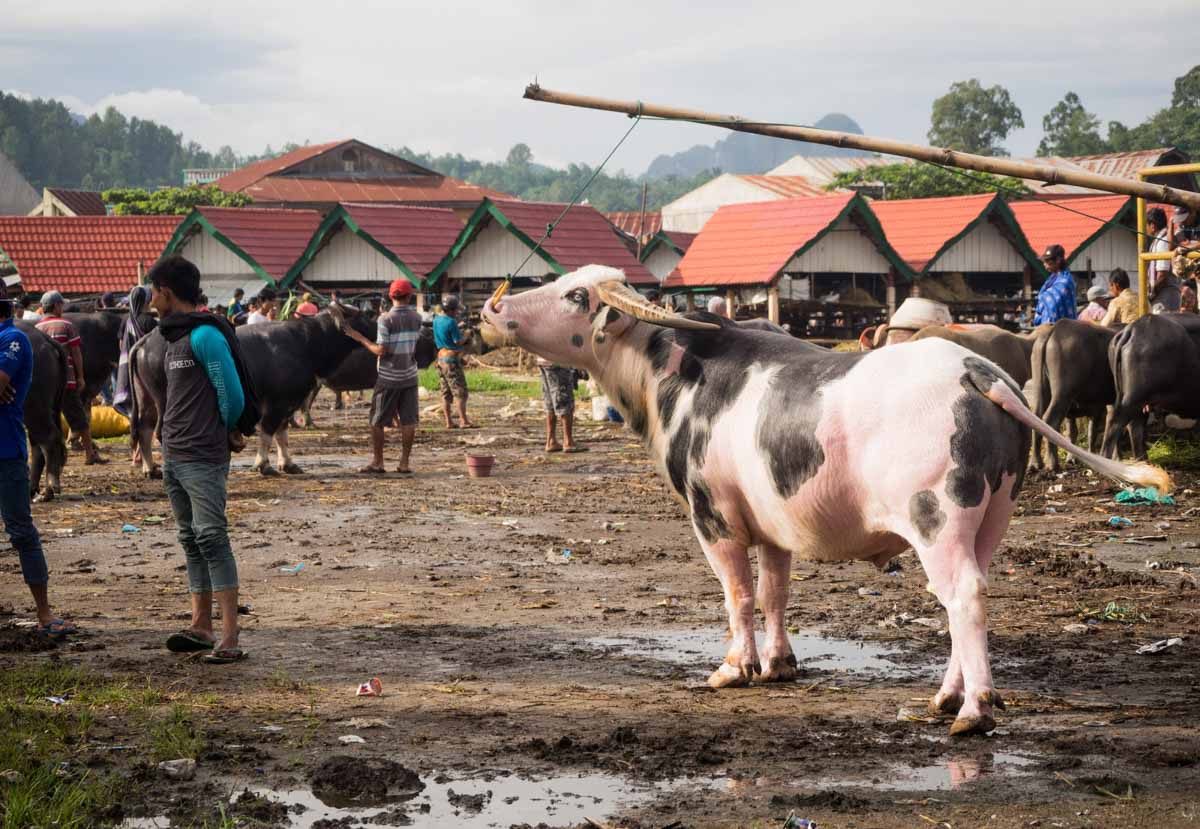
x=613, y=322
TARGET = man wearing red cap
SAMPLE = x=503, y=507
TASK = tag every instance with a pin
x=395, y=397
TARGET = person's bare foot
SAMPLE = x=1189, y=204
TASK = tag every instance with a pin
x=554, y=447
x=469, y=424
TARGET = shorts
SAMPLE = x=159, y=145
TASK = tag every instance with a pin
x=72, y=409
x=389, y=404
x=558, y=390
x=451, y=380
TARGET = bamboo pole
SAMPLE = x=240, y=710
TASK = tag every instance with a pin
x=933, y=155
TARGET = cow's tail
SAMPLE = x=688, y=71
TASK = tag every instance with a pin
x=1137, y=473
x=134, y=413
x=60, y=395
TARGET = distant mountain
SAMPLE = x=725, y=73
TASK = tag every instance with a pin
x=752, y=154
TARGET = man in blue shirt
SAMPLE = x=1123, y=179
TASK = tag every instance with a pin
x=449, y=339
x=204, y=402
x=16, y=371
x=1056, y=300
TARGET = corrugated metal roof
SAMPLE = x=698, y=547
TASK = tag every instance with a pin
x=80, y=202
x=420, y=237
x=630, y=221
x=274, y=239
x=821, y=170
x=1047, y=223
x=1120, y=165
x=242, y=178
x=83, y=254
x=749, y=244
x=787, y=187
x=919, y=229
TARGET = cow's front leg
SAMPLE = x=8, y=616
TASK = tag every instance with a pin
x=729, y=560
x=284, y=454
x=774, y=572
x=949, y=698
x=262, y=458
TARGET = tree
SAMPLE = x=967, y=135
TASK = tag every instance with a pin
x=1175, y=126
x=170, y=201
x=922, y=181
x=1187, y=90
x=1071, y=130
x=973, y=119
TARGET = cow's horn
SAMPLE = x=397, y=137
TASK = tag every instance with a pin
x=339, y=317
x=620, y=296
x=500, y=292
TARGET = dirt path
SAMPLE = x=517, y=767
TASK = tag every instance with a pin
x=571, y=686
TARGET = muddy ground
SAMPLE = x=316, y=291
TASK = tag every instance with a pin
x=524, y=686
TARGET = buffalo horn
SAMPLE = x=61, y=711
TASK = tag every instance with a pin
x=618, y=295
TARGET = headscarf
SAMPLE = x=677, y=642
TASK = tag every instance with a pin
x=132, y=330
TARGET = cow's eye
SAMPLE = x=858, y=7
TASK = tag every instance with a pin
x=579, y=296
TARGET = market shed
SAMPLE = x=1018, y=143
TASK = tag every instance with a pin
x=664, y=250
x=498, y=239
x=80, y=255
x=243, y=247
x=821, y=264
x=1098, y=233
x=966, y=251
x=366, y=246
x=691, y=211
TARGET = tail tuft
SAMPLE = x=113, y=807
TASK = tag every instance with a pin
x=1147, y=474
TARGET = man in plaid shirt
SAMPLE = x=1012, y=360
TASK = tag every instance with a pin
x=1056, y=299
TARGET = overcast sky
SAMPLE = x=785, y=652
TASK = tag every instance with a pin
x=448, y=77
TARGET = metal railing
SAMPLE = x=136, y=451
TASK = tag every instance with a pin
x=1145, y=256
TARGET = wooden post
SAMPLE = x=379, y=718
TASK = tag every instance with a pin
x=933, y=155
x=916, y=288
x=730, y=298
x=421, y=300
x=689, y=301
x=641, y=231
x=773, y=304
x=891, y=292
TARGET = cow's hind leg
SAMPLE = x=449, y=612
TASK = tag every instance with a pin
x=774, y=571
x=262, y=458
x=729, y=560
x=284, y=454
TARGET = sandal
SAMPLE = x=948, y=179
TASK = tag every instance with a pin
x=371, y=470
x=224, y=656
x=56, y=629
x=187, y=641
x=402, y=471
x=550, y=449
x=574, y=450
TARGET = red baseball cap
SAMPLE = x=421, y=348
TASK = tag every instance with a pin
x=400, y=288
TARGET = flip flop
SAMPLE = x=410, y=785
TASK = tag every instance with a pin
x=574, y=450
x=56, y=629
x=224, y=656
x=371, y=470
x=187, y=642
x=403, y=471
x=471, y=426
x=553, y=449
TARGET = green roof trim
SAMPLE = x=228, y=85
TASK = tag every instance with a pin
x=1008, y=219
x=339, y=215
x=195, y=222
x=659, y=238
x=859, y=203
x=488, y=211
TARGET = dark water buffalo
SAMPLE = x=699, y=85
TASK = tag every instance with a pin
x=1155, y=361
x=285, y=361
x=1009, y=351
x=100, y=344
x=1071, y=378
x=763, y=325
x=43, y=411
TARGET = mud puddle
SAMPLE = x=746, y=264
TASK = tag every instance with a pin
x=464, y=804
x=947, y=774
x=703, y=649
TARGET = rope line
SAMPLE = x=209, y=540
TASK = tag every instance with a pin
x=578, y=194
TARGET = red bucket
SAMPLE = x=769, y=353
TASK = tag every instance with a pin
x=480, y=466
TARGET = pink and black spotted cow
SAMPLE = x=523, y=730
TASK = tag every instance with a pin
x=798, y=451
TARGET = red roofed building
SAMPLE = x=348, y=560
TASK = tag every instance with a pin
x=957, y=233
x=82, y=254
x=691, y=211
x=500, y=238
x=243, y=247
x=57, y=201
x=369, y=245
x=664, y=250
x=635, y=224
x=1097, y=232
x=323, y=175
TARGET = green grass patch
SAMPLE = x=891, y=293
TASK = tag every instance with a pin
x=479, y=380
x=175, y=736
x=1175, y=451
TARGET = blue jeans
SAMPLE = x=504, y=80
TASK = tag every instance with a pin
x=197, y=493
x=18, y=523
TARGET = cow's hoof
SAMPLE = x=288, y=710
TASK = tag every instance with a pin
x=944, y=703
x=154, y=474
x=728, y=676
x=267, y=471
x=292, y=469
x=993, y=699
x=779, y=669
x=979, y=724
x=46, y=494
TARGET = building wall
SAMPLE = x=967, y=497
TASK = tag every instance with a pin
x=17, y=196
x=662, y=261
x=983, y=250
x=845, y=249
x=689, y=212
x=214, y=260
x=494, y=253
x=348, y=258
x=1117, y=248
